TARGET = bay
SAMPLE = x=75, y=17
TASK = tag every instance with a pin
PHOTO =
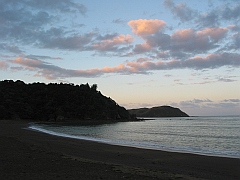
x=215, y=136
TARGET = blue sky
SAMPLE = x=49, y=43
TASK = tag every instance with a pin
x=140, y=53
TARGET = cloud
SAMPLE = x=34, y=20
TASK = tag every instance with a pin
x=75, y=42
x=22, y=24
x=143, y=27
x=215, y=34
x=168, y=4
x=236, y=41
x=31, y=22
x=209, y=107
x=141, y=48
x=222, y=13
x=30, y=28
x=38, y=24
x=212, y=18
x=209, y=19
x=231, y=13
x=181, y=11
x=118, y=21
x=9, y=48
x=213, y=61
x=68, y=6
x=110, y=44
x=201, y=100
x=37, y=57
x=234, y=27
x=91, y=41
x=210, y=61
x=197, y=41
x=207, y=103
x=141, y=66
x=231, y=100
x=226, y=80
x=182, y=42
x=3, y=65
x=49, y=71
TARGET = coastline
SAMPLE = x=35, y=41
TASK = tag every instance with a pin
x=28, y=154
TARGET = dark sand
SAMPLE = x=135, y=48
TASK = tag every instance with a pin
x=26, y=154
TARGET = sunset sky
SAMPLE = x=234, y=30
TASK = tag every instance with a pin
x=140, y=53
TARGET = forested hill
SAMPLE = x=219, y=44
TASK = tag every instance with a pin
x=161, y=111
x=57, y=102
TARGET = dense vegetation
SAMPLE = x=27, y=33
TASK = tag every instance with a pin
x=161, y=111
x=57, y=102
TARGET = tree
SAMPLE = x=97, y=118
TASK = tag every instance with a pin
x=94, y=87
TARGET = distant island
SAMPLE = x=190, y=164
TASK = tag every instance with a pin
x=57, y=102
x=161, y=111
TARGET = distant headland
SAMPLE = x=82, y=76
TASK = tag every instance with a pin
x=161, y=111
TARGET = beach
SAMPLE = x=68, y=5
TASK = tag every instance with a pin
x=28, y=154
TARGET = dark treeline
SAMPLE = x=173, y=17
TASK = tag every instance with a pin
x=57, y=102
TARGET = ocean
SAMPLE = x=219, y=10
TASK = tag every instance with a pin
x=213, y=136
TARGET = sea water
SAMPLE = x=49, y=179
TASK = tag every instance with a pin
x=215, y=136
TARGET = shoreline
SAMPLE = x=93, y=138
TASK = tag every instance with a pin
x=93, y=160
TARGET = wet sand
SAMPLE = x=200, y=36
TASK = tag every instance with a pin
x=27, y=154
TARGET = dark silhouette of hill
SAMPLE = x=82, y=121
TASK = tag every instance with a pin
x=161, y=111
x=57, y=102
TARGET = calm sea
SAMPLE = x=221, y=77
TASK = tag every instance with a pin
x=216, y=136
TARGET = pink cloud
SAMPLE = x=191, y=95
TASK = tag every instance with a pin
x=143, y=27
x=110, y=43
x=181, y=42
x=27, y=62
x=189, y=34
x=215, y=34
x=183, y=35
x=117, y=69
x=141, y=65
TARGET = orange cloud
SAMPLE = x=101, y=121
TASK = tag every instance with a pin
x=143, y=27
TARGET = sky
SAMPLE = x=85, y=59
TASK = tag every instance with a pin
x=141, y=53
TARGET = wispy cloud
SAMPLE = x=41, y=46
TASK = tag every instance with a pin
x=142, y=66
